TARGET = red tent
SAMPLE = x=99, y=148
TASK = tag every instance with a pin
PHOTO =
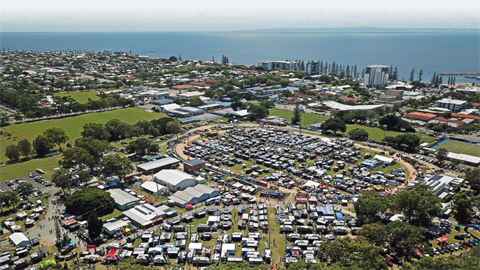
x=420, y=169
x=188, y=206
x=442, y=239
x=148, y=200
x=301, y=200
x=111, y=256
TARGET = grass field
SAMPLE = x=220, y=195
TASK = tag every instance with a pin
x=461, y=147
x=23, y=168
x=81, y=97
x=307, y=118
x=6, y=141
x=73, y=126
x=377, y=133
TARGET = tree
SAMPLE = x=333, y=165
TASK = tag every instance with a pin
x=25, y=147
x=405, y=235
x=62, y=178
x=359, y=133
x=473, y=178
x=334, y=124
x=43, y=145
x=177, y=100
x=139, y=146
x=95, y=225
x=195, y=102
x=153, y=148
x=96, y=131
x=84, y=177
x=117, y=129
x=25, y=189
x=420, y=73
x=417, y=202
x=92, y=146
x=297, y=115
x=8, y=199
x=257, y=112
x=464, y=205
x=12, y=152
x=284, y=82
x=412, y=74
x=90, y=200
x=116, y=165
x=368, y=205
x=441, y=154
x=374, y=233
x=57, y=135
x=174, y=127
x=76, y=157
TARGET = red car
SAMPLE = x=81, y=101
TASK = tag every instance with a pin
x=389, y=263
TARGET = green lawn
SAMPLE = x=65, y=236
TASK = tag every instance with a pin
x=461, y=147
x=73, y=126
x=116, y=213
x=21, y=169
x=307, y=118
x=6, y=141
x=81, y=97
x=378, y=133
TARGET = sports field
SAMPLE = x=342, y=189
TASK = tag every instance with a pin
x=461, y=147
x=81, y=97
x=73, y=126
x=307, y=118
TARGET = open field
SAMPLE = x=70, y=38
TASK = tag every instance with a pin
x=377, y=133
x=73, y=126
x=81, y=97
x=20, y=169
x=6, y=141
x=307, y=118
x=461, y=147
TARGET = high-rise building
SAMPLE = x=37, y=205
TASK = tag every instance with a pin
x=313, y=68
x=283, y=65
x=376, y=75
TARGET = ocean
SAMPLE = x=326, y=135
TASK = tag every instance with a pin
x=434, y=52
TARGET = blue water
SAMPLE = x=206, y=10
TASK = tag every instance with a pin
x=433, y=52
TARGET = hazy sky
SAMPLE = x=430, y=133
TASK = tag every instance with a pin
x=153, y=15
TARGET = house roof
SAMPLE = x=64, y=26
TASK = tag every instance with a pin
x=172, y=177
x=121, y=197
x=143, y=214
x=152, y=186
x=158, y=163
x=17, y=238
x=194, y=162
x=113, y=226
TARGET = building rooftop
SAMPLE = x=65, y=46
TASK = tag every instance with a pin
x=121, y=197
x=173, y=177
x=158, y=163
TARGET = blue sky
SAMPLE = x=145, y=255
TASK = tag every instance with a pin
x=153, y=15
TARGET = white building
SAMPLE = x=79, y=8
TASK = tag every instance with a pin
x=283, y=65
x=376, y=75
x=174, y=179
x=18, y=239
x=451, y=104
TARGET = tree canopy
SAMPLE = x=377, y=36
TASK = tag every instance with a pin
x=116, y=165
x=441, y=154
x=57, y=135
x=473, y=177
x=90, y=200
x=369, y=204
x=334, y=124
x=358, y=133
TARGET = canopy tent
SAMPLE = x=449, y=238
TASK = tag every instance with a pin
x=311, y=184
x=47, y=263
x=442, y=239
x=383, y=159
x=111, y=256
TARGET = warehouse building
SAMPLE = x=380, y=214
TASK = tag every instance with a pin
x=123, y=200
x=193, y=165
x=154, y=188
x=157, y=165
x=146, y=215
x=174, y=179
x=193, y=195
x=18, y=239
